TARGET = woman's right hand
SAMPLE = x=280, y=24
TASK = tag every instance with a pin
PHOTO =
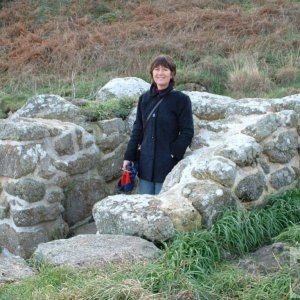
x=125, y=164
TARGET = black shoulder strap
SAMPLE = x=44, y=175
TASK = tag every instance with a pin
x=152, y=111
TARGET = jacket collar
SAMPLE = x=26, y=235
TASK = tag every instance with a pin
x=154, y=92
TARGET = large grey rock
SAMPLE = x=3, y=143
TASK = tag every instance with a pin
x=50, y=107
x=246, y=107
x=241, y=149
x=137, y=215
x=27, y=188
x=209, y=198
x=219, y=169
x=268, y=259
x=282, y=148
x=263, y=128
x=282, y=178
x=251, y=187
x=80, y=196
x=96, y=251
x=23, y=241
x=25, y=130
x=13, y=268
x=209, y=106
x=17, y=160
x=122, y=87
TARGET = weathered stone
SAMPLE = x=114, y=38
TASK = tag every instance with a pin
x=251, y=187
x=78, y=164
x=45, y=168
x=17, y=160
x=110, y=143
x=219, y=169
x=282, y=149
x=263, y=128
x=54, y=194
x=268, y=259
x=23, y=241
x=288, y=118
x=22, y=131
x=33, y=215
x=84, y=140
x=13, y=268
x=282, y=178
x=287, y=103
x=208, y=106
x=215, y=126
x=183, y=214
x=175, y=176
x=64, y=145
x=122, y=87
x=81, y=195
x=26, y=188
x=241, y=149
x=209, y=198
x=198, y=142
x=264, y=165
x=109, y=167
x=111, y=126
x=50, y=107
x=91, y=250
x=4, y=207
x=246, y=107
x=137, y=215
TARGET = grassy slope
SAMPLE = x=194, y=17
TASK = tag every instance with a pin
x=71, y=47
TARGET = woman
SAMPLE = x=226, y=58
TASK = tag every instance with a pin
x=163, y=128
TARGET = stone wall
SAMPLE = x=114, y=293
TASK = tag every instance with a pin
x=243, y=151
x=55, y=167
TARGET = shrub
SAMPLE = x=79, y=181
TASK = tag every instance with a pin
x=245, y=78
x=115, y=108
x=286, y=75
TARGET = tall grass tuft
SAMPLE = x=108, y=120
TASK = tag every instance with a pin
x=196, y=254
x=247, y=78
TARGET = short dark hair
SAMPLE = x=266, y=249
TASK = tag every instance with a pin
x=165, y=61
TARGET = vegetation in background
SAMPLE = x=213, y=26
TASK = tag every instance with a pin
x=195, y=265
x=72, y=47
x=114, y=108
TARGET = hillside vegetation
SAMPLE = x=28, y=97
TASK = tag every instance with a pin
x=71, y=47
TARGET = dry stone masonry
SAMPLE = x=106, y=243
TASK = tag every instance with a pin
x=56, y=169
x=243, y=151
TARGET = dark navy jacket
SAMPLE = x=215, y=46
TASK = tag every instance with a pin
x=166, y=136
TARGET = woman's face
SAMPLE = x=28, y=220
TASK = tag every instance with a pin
x=161, y=76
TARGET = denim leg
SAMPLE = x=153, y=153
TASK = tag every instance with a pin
x=158, y=187
x=146, y=187
x=149, y=187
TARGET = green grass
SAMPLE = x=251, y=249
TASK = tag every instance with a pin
x=113, y=108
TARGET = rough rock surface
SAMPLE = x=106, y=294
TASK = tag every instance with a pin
x=13, y=268
x=268, y=259
x=48, y=176
x=122, y=87
x=90, y=250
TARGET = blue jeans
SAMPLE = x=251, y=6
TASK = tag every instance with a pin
x=148, y=187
